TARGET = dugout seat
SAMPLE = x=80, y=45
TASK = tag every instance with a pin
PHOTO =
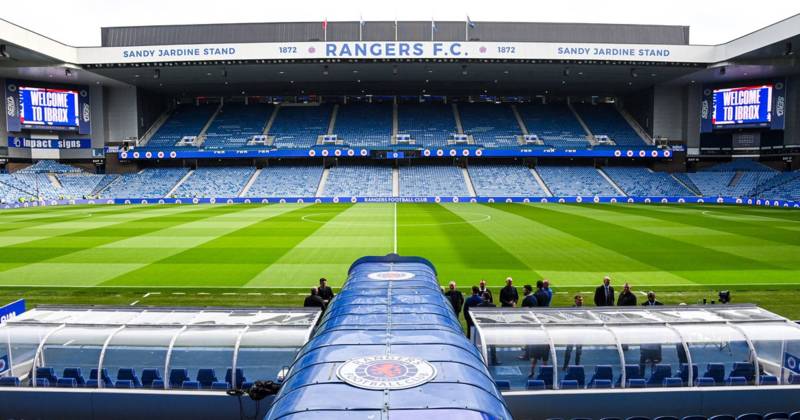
x=743, y=369
x=240, y=378
x=503, y=385
x=569, y=384
x=206, y=377
x=107, y=382
x=637, y=383
x=47, y=373
x=715, y=371
x=631, y=372
x=177, y=377
x=124, y=384
x=224, y=386
x=602, y=372
x=673, y=382
x=769, y=380
x=705, y=381
x=660, y=372
x=736, y=381
x=75, y=373
x=534, y=385
x=546, y=375
x=128, y=374
x=600, y=383
x=67, y=383
x=9, y=381
x=190, y=385
x=150, y=375
x=576, y=373
x=157, y=384
x=684, y=373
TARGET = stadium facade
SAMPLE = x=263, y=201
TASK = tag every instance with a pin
x=407, y=111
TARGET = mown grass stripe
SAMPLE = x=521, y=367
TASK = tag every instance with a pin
x=232, y=259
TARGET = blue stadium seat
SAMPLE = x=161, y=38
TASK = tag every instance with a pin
x=769, y=380
x=631, y=372
x=546, y=375
x=660, y=372
x=220, y=386
x=206, y=377
x=42, y=382
x=637, y=383
x=568, y=384
x=47, y=373
x=576, y=373
x=9, y=381
x=600, y=383
x=247, y=385
x=673, y=382
x=503, y=385
x=534, y=385
x=177, y=377
x=240, y=378
x=91, y=383
x=638, y=418
x=794, y=379
x=190, y=385
x=602, y=372
x=128, y=374
x=795, y=416
x=736, y=381
x=743, y=369
x=666, y=418
x=684, y=373
x=150, y=375
x=74, y=373
x=694, y=417
x=67, y=383
x=124, y=384
x=107, y=382
x=715, y=371
x=776, y=416
x=722, y=417
x=157, y=384
x=705, y=382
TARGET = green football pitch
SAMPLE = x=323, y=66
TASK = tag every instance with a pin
x=250, y=247
x=293, y=245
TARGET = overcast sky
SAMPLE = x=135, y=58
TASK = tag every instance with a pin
x=78, y=22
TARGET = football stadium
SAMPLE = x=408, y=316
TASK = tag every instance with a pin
x=399, y=220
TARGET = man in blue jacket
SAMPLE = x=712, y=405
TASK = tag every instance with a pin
x=471, y=302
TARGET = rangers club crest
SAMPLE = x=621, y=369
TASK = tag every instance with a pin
x=391, y=275
x=386, y=372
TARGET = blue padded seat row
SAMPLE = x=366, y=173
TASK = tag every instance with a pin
x=569, y=384
x=67, y=383
x=673, y=382
x=576, y=373
x=722, y=417
x=631, y=372
x=74, y=373
x=150, y=375
x=736, y=381
x=535, y=385
x=190, y=385
x=776, y=416
x=42, y=382
x=794, y=379
x=750, y=416
x=91, y=383
x=503, y=385
x=9, y=381
x=157, y=384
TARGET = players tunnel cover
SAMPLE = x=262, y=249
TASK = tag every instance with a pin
x=382, y=372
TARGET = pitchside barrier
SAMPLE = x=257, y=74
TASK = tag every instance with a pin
x=316, y=200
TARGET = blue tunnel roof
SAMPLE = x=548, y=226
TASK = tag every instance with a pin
x=390, y=307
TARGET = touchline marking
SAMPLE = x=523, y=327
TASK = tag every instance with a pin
x=479, y=218
x=134, y=302
x=395, y=228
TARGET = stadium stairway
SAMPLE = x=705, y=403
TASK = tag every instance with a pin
x=322, y=181
x=611, y=181
x=178, y=184
x=468, y=181
x=249, y=183
x=389, y=346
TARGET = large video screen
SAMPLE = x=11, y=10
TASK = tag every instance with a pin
x=45, y=107
x=746, y=106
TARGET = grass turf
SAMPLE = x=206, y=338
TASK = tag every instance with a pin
x=83, y=254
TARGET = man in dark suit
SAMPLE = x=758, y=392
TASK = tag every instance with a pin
x=455, y=297
x=313, y=300
x=626, y=298
x=542, y=299
x=487, y=303
x=578, y=303
x=651, y=299
x=509, y=295
x=485, y=291
x=325, y=292
x=471, y=302
x=529, y=301
x=604, y=294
